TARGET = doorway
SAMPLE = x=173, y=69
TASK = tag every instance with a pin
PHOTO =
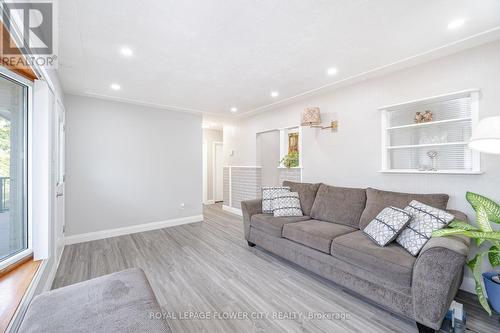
x=213, y=165
x=218, y=171
x=268, y=157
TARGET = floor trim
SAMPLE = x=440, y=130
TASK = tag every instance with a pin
x=90, y=236
x=232, y=210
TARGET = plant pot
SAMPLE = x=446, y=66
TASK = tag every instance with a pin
x=492, y=290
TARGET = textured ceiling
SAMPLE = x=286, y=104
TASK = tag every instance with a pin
x=211, y=55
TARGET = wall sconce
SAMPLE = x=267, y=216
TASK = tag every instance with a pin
x=311, y=117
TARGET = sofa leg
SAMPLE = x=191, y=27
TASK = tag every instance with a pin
x=250, y=244
x=425, y=329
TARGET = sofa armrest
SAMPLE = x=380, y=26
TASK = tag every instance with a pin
x=437, y=274
x=249, y=208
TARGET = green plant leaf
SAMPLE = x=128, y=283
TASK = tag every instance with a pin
x=492, y=208
x=494, y=256
x=475, y=266
x=494, y=235
x=491, y=236
x=483, y=222
x=482, y=219
x=461, y=225
x=448, y=232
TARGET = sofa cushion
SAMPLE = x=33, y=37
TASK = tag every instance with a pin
x=425, y=220
x=268, y=195
x=307, y=194
x=287, y=204
x=391, y=262
x=273, y=225
x=376, y=200
x=387, y=225
x=339, y=204
x=315, y=234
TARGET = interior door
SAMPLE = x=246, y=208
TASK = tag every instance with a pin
x=59, y=167
x=218, y=171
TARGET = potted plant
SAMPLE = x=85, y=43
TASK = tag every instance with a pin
x=291, y=160
x=488, y=242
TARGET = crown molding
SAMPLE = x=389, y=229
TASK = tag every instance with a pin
x=141, y=103
x=479, y=39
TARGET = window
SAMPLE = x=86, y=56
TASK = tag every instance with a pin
x=14, y=241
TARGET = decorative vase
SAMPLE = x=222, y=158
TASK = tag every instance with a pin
x=492, y=290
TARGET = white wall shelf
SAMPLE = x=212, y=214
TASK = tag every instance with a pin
x=430, y=145
x=431, y=123
x=436, y=147
x=446, y=172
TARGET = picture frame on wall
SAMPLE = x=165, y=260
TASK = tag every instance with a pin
x=293, y=143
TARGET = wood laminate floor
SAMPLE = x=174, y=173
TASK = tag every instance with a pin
x=207, y=269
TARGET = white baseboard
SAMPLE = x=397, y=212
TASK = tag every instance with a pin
x=53, y=271
x=209, y=202
x=232, y=210
x=90, y=236
x=468, y=284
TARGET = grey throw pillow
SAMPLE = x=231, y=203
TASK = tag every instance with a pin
x=425, y=220
x=287, y=204
x=387, y=225
x=268, y=193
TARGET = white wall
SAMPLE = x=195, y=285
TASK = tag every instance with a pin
x=128, y=165
x=352, y=156
x=209, y=137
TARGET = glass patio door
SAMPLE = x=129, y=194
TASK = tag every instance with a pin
x=13, y=143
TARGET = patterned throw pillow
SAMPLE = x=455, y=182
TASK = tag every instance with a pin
x=425, y=220
x=268, y=193
x=386, y=226
x=287, y=204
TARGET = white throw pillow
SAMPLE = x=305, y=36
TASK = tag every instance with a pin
x=287, y=204
x=387, y=225
x=268, y=193
x=425, y=220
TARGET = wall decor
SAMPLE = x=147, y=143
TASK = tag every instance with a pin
x=293, y=142
x=423, y=117
x=433, y=156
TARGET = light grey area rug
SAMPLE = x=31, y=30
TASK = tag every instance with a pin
x=118, y=302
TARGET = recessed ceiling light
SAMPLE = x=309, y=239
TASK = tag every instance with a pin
x=456, y=23
x=233, y=109
x=126, y=51
x=332, y=71
x=274, y=94
x=115, y=86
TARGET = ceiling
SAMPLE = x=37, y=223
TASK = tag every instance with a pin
x=212, y=55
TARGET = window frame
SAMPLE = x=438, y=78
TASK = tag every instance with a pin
x=28, y=107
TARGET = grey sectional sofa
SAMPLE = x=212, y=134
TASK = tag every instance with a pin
x=329, y=241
